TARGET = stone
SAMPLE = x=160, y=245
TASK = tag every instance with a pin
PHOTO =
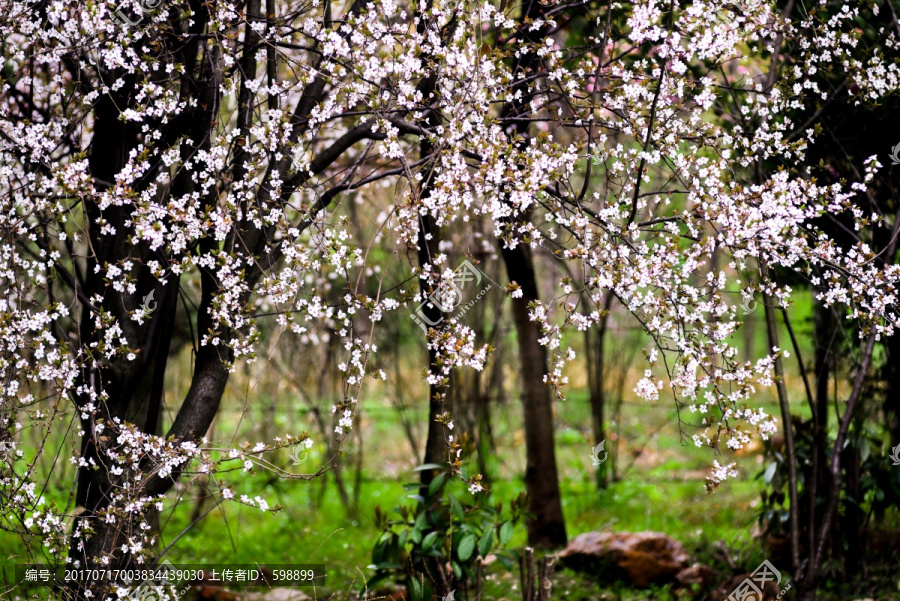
x=641, y=558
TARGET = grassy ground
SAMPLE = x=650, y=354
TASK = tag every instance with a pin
x=661, y=488
x=300, y=533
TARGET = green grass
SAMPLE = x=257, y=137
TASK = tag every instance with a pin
x=661, y=490
x=303, y=532
x=313, y=527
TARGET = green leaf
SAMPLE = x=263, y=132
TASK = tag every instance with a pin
x=864, y=449
x=436, y=484
x=430, y=540
x=506, y=533
x=486, y=542
x=457, y=571
x=770, y=472
x=428, y=466
x=420, y=521
x=466, y=547
x=379, y=552
x=415, y=590
x=456, y=508
x=378, y=577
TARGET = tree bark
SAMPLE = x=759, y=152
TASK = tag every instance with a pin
x=123, y=380
x=547, y=527
x=596, y=384
x=435, y=444
x=429, y=235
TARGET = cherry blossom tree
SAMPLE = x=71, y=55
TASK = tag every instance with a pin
x=191, y=163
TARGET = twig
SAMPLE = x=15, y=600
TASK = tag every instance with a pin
x=726, y=555
x=546, y=572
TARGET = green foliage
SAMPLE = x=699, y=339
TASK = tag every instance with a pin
x=441, y=529
x=866, y=453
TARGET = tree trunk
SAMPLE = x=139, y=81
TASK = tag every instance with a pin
x=429, y=235
x=135, y=388
x=123, y=382
x=593, y=343
x=547, y=527
x=435, y=445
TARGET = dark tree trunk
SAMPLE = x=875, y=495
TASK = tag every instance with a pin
x=435, y=444
x=547, y=528
x=429, y=236
x=826, y=341
x=852, y=520
x=787, y=421
x=133, y=389
x=493, y=392
x=593, y=342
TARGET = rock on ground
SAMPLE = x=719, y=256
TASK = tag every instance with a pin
x=640, y=558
